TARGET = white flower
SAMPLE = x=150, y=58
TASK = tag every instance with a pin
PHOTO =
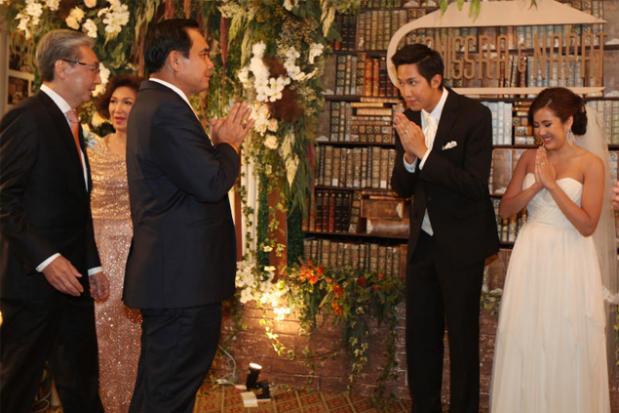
x=74, y=18
x=271, y=142
x=90, y=3
x=243, y=76
x=52, y=4
x=272, y=125
x=267, y=248
x=290, y=4
x=115, y=17
x=260, y=114
x=104, y=75
x=258, y=49
x=33, y=9
x=24, y=24
x=90, y=28
x=316, y=50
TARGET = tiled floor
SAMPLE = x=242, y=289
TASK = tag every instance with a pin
x=218, y=399
x=227, y=399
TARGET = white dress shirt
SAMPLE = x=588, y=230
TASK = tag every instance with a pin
x=429, y=125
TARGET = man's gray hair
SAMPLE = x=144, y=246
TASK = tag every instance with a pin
x=59, y=45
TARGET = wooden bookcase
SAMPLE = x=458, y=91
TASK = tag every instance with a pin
x=355, y=152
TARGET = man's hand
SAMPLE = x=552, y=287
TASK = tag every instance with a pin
x=63, y=276
x=99, y=286
x=233, y=128
x=411, y=136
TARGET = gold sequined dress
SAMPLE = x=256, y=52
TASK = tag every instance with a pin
x=118, y=327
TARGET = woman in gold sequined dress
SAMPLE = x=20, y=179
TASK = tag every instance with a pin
x=118, y=327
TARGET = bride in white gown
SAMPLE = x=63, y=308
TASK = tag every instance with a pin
x=550, y=354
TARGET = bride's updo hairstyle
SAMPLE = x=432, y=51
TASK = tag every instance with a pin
x=564, y=103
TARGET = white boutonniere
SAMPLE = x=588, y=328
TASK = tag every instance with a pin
x=449, y=145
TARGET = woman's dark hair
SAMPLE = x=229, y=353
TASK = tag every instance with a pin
x=164, y=37
x=103, y=102
x=428, y=61
x=564, y=103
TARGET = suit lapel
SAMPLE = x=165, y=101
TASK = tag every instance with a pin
x=64, y=137
x=448, y=118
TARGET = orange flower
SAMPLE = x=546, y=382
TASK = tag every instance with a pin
x=337, y=308
x=381, y=276
x=312, y=279
x=338, y=291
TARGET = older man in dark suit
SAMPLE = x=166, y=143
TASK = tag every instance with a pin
x=443, y=162
x=49, y=266
x=182, y=259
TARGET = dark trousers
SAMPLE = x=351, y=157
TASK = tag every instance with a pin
x=61, y=331
x=439, y=295
x=178, y=347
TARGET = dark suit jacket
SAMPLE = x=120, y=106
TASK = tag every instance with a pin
x=183, y=252
x=453, y=184
x=44, y=204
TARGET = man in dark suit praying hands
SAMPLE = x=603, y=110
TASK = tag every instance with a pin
x=443, y=160
x=182, y=260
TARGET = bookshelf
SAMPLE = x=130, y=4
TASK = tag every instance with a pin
x=355, y=151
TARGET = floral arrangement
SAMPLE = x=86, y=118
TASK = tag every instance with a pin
x=353, y=299
x=115, y=26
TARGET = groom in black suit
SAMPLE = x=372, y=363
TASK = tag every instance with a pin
x=443, y=160
x=49, y=266
x=182, y=260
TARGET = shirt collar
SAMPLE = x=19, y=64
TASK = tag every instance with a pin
x=174, y=88
x=438, y=109
x=58, y=100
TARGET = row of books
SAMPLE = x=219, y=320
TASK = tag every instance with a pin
x=363, y=122
x=501, y=122
x=333, y=211
x=372, y=257
x=368, y=167
x=508, y=228
x=508, y=38
x=362, y=75
x=372, y=30
x=367, y=76
x=383, y=4
x=608, y=111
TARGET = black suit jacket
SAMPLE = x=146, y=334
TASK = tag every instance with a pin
x=453, y=184
x=183, y=251
x=44, y=203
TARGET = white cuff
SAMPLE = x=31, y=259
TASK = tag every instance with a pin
x=48, y=261
x=423, y=159
x=94, y=270
x=410, y=167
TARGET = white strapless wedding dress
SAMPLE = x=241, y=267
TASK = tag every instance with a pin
x=550, y=353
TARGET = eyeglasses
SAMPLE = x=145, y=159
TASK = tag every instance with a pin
x=93, y=67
